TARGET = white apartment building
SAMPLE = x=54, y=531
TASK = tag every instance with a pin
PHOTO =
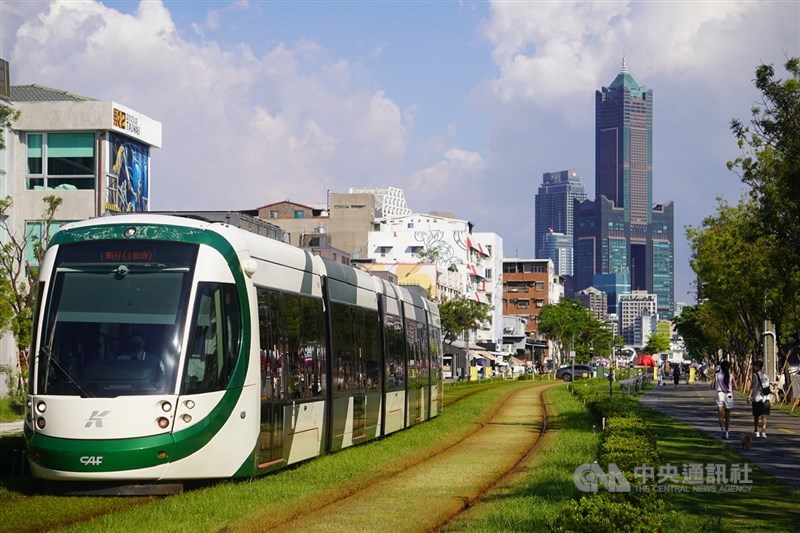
x=389, y=201
x=632, y=306
x=476, y=259
x=644, y=326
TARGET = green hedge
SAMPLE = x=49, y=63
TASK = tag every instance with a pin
x=627, y=442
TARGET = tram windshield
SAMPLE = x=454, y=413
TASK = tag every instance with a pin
x=114, y=318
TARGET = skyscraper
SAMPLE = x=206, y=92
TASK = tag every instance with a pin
x=554, y=204
x=621, y=231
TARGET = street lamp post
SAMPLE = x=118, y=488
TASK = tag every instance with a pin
x=614, y=356
x=572, y=357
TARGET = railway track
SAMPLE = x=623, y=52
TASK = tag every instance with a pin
x=429, y=493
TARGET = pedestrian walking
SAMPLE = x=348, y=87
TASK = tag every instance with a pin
x=676, y=373
x=760, y=395
x=723, y=384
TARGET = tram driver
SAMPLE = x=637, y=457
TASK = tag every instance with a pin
x=136, y=351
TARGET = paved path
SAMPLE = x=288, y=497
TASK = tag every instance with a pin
x=8, y=428
x=694, y=404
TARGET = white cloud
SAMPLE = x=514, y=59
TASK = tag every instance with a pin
x=239, y=130
x=436, y=184
x=549, y=52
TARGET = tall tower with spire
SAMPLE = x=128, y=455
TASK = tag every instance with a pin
x=621, y=231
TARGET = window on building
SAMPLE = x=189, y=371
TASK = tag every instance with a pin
x=299, y=214
x=523, y=304
x=540, y=285
x=273, y=213
x=61, y=161
x=414, y=250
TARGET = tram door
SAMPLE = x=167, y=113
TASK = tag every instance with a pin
x=271, y=450
x=416, y=372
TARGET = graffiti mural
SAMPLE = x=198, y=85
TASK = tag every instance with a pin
x=435, y=240
x=128, y=175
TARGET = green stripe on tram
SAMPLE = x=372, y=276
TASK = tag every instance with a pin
x=142, y=452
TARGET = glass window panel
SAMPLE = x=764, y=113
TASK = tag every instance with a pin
x=34, y=153
x=70, y=145
x=70, y=154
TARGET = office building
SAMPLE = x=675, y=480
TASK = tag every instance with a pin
x=620, y=231
x=553, y=214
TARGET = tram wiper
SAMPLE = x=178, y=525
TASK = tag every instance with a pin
x=70, y=378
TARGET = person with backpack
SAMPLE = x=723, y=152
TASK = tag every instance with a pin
x=760, y=395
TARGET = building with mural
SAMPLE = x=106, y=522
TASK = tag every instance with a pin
x=475, y=257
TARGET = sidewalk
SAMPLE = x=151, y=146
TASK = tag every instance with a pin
x=694, y=404
x=9, y=428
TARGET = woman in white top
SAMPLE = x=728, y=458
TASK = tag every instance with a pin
x=723, y=383
x=760, y=396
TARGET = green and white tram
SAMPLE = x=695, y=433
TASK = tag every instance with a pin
x=169, y=349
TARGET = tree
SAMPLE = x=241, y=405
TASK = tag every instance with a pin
x=569, y=323
x=657, y=343
x=770, y=166
x=770, y=162
x=691, y=325
x=730, y=258
x=460, y=314
x=7, y=116
x=18, y=280
x=747, y=257
x=430, y=255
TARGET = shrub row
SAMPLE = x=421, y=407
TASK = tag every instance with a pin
x=627, y=442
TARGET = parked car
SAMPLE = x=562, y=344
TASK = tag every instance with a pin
x=581, y=372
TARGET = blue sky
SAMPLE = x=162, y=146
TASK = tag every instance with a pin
x=463, y=105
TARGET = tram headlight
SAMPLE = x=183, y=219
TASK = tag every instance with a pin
x=40, y=422
x=163, y=422
x=166, y=407
x=41, y=407
x=130, y=232
x=186, y=418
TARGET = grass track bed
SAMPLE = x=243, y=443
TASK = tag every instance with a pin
x=279, y=495
x=532, y=498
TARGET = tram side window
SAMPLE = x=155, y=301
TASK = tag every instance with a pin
x=369, y=346
x=395, y=354
x=216, y=337
x=412, y=348
x=291, y=335
x=346, y=365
